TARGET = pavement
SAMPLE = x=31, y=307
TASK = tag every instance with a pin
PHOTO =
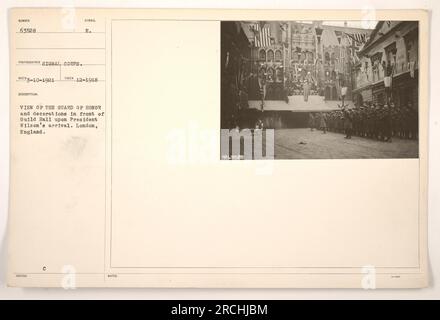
x=306, y=144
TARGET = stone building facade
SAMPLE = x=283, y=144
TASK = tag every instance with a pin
x=288, y=52
x=388, y=67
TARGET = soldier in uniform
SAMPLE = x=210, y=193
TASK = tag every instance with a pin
x=380, y=123
x=375, y=122
x=362, y=121
x=348, y=123
x=386, y=124
x=340, y=119
x=414, y=121
x=331, y=121
x=356, y=119
x=311, y=121
x=394, y=120
x=367, y=121
x=317, y=121
x=406, y=122
x=323, y=124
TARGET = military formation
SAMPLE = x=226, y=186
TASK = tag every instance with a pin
x=374, y=121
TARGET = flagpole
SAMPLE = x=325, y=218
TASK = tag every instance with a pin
x=350, y=67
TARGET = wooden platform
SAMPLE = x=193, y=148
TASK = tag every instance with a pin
x=297, y=104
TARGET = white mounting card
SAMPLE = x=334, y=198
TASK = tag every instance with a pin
x=122, y=174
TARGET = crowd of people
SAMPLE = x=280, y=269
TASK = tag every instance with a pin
x=374, y=121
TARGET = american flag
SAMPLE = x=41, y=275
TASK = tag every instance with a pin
x=261, y=35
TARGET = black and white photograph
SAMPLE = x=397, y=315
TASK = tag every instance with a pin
x=319, y=89
x=266, y=152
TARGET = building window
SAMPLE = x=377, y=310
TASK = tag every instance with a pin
x=270, y=55
x=278, y=56
x=262, y=55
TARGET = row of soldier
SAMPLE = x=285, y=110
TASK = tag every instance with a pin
x=374, y=121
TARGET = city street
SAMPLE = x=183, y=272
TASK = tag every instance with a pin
x=292, y=75
x=306, y=144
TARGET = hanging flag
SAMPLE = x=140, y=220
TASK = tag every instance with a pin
x=358, y=38
x=283, y=30
x=261, y=35
x=338, y=35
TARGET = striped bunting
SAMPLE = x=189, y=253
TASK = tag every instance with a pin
x=359, y=38
x=261, y=36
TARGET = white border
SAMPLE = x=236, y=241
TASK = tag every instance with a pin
x=433, y=292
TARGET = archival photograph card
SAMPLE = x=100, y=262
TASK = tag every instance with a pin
x=218, y=148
